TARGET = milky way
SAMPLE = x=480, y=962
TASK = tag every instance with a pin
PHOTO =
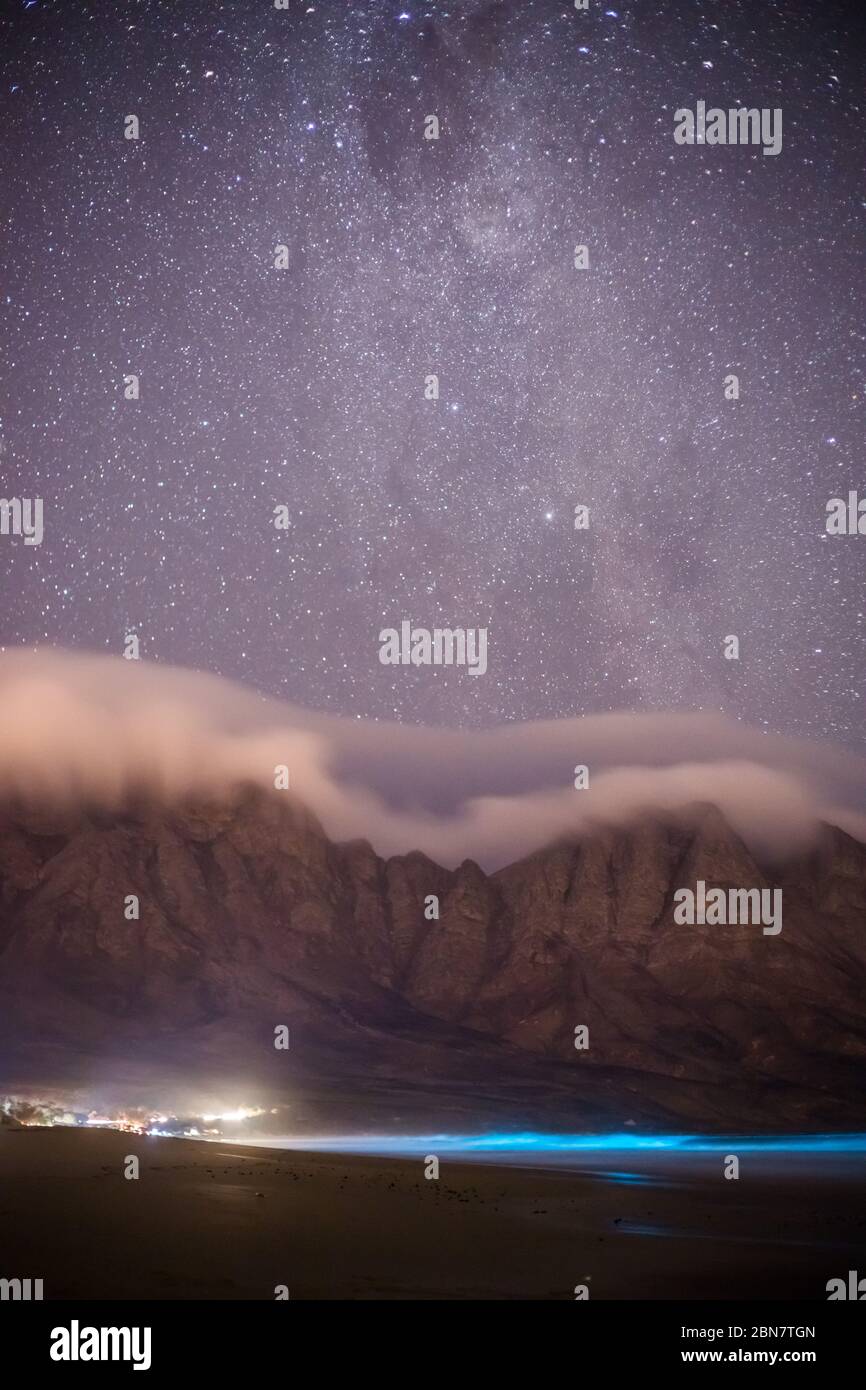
x=558, y=387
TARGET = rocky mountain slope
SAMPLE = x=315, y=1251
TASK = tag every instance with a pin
x=250, y=918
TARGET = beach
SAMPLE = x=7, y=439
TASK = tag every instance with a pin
x=219, y=1220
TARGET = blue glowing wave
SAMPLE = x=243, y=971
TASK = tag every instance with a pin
x=530, y=1143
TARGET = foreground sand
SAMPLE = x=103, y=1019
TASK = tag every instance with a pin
x=220, y=1221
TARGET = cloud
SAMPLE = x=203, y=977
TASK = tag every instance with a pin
x=99, y=727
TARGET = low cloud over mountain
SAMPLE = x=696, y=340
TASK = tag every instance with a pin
x=74, y=726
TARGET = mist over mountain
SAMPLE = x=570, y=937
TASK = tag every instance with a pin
x=75, y=725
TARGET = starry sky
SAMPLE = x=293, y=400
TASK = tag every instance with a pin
x=305, y=386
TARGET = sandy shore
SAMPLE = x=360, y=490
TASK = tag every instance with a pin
x=220, y=1221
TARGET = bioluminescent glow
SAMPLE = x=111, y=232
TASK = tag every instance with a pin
x=532, y=1143
x=626, y=1179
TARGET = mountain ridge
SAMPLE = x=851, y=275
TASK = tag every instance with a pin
x=251, y=917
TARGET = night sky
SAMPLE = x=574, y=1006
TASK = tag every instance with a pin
x=305, y=386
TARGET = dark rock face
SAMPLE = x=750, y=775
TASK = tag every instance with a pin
x=250, y=917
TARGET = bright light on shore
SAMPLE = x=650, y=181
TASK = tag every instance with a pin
x=242, y=1113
